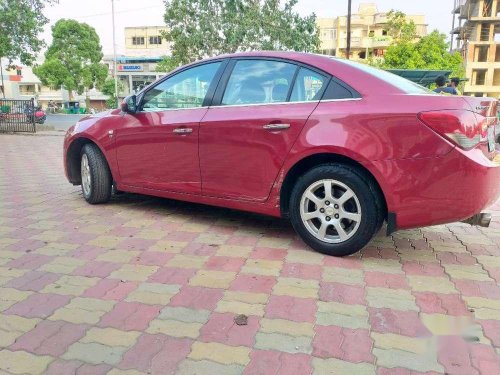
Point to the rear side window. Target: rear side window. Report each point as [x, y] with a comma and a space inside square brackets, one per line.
[336, 91]
[308, 86]
[401, 83]
[259, 82]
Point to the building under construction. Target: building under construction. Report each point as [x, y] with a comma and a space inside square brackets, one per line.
[476, 34]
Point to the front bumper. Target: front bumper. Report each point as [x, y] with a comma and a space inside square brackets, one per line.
[431, 191]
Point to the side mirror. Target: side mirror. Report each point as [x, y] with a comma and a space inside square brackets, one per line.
[129, 104]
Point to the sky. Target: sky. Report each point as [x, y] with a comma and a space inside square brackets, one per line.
[97, 13]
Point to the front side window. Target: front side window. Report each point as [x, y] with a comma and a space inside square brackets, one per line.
[308, 86]
[186, 89]
[259, 82]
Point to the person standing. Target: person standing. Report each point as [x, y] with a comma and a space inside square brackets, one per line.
[442, 88]
[454, 82]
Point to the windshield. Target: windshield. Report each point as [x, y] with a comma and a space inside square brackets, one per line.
[401, 83]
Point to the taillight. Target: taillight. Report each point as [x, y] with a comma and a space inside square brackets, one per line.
[464, 128]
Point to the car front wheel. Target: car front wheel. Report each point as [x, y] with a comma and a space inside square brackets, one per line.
[95, 174]
[335, 209]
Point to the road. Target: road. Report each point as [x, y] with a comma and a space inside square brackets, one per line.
[62, 122]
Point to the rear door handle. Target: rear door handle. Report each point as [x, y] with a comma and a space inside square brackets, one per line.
[274, 127]
[182, 131]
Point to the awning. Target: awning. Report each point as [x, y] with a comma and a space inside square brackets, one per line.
[422, 77]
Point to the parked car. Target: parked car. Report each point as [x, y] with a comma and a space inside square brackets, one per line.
[337, 147]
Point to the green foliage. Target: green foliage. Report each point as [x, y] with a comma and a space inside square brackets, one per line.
[168, 64]
[108, 88]
[408, 51]
[399, 28]
[204, 28]
[73, 60]
[430, 52]
[20, 23]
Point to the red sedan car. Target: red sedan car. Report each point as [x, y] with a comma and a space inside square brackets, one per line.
[336, 146]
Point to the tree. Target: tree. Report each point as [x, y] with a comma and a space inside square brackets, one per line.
[166, 65]
[408, 51]
[20, 23]
[73, 60]
[399, 28]
[108, 88]
[204, 28]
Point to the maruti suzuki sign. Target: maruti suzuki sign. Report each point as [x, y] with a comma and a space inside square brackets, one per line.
[130, 68]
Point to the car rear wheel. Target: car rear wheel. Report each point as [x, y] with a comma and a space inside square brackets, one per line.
[96, 177]
[335, 209]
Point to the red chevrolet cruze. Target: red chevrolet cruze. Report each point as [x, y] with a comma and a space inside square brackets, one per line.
[336, 146]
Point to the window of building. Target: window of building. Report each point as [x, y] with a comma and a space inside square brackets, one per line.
[26, 89]
[155, 40]
[371, 34]
[19, 72]
[138, 40]
[384, 32]
[481, 53]
[496, 36]
[496, 77]
[497, 53]
[485, 32]
[479, 77]
[487, 8]
[498, 8]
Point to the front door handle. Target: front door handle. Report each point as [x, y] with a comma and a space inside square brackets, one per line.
[182, 131]
[274, 127]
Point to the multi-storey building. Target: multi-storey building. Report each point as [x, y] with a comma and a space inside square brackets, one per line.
[146, 41]
[477, 35]
[368, 33]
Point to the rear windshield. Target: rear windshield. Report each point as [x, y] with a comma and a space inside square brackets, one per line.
[401, 83]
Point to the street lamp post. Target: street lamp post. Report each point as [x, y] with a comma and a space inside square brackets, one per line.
[115, 76]
[348, 47]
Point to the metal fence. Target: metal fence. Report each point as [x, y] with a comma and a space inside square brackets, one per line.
[17, 115]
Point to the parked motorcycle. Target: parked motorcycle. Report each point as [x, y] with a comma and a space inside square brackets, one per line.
[37, 115]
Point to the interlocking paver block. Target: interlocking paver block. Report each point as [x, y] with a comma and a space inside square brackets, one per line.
[153, 293]
[343, 275]
[275, 362]
[392, 358]
[133, 272]
[220, 353]
[184, 314]
[21, 362]
[95, 353]
[12, 327]
[83, 310]
[38, 305]
[348, 316]
[111, 337]
[397, 299]
[335, 366]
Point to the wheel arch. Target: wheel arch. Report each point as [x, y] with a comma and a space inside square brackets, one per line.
[73, 158]
[307, 163]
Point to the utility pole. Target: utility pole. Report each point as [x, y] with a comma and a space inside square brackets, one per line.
[348, 48]
[1, 75]
[115, 77]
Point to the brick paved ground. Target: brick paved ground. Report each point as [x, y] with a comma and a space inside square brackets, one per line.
[144, 285]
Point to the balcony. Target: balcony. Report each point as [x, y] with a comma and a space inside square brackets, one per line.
[380, 18]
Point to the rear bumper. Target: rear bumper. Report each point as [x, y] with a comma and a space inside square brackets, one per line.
[440, 190]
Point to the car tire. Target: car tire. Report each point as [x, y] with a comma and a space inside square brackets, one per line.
[340, 222]
[95, 174]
